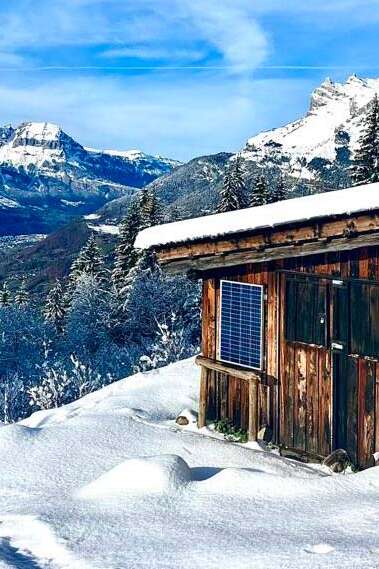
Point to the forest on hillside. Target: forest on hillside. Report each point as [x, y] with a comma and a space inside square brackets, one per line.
[102, 323]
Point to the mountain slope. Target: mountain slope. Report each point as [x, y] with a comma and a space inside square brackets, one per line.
[325, 138]
[190, 189]
[46, 177]
[312, 154]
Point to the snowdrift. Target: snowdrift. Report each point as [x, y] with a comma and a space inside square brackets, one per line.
[112, 477]
[156, 474]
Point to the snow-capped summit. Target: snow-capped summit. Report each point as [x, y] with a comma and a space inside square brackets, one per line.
[334, 118]
[43, 168]
[40, 144]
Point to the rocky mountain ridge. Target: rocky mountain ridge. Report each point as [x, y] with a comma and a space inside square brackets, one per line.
[46, 177]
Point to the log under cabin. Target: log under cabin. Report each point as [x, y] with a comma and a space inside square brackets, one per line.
[290, 317]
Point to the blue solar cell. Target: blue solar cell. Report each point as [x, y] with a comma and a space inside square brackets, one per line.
[241, 324]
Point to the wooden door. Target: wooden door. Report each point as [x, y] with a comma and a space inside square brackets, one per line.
[329, 371]
[305, 364]
[355, 348]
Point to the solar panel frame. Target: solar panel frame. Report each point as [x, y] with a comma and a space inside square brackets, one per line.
[256, 339]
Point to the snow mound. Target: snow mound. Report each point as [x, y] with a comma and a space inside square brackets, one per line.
[260, 481]
[320, 548]
[148, 475]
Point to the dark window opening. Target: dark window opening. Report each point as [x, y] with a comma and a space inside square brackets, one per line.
[364, 319]
[305, 310]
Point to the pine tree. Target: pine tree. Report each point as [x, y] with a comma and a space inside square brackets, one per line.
[88, 262]
[5, 295]
[126, 255]
[365, 168]
[150, 208]
[232, 193]
[145, 266]
[56, 308]
[22, 295]
[261, 194]
[279, 193]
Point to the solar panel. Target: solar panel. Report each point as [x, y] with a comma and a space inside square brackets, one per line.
[241, 324]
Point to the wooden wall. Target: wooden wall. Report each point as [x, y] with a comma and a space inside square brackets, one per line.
[295, 394]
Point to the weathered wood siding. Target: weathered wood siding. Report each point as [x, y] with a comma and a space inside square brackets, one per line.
[296, 391]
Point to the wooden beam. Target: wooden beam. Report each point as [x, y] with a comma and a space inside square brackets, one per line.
[229, 369]
[293, 233]
[206, 263]
[201, 420]
[253, 411]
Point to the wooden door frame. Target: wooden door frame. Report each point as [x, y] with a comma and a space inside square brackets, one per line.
[281, 280]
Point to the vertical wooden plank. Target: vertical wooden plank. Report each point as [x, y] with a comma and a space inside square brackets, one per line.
[201, 421]
[360, 318]
[237, 403]
[209, 318]
[354, 263]
[322, 266]
[211, 396]
[244, 405]
[366, 412]
[334, 264]
[372, 262]
[374, 320]
[263, 402]
[253, 411]
[351, 390]
[345, 264]
[272, 312]
[282, 388]
[377, 409]
[312, 401]
[325, 384]
[223, 389]
[363, 262]
[287, 394]
[300, 399]
[231, 397]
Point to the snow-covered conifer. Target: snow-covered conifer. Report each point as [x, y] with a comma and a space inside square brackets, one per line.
[260, 194]
[232, 193]
[22, 295]
[145, 266]
[88, 262]
[150, 208]
[125, 255]
[56, 307]
[365, 168]
[5, 295]
[278, 193]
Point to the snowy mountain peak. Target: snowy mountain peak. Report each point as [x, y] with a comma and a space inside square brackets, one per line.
[43, 168]
[355, 80]
[34, 143]
[334, 119]
[39, 131]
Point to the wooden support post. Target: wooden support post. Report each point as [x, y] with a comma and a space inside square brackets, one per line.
[253, 410]
[201, 421]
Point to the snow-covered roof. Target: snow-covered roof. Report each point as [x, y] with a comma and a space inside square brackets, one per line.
[339, 202]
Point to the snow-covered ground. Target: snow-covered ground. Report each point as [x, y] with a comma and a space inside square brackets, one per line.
[111, 481]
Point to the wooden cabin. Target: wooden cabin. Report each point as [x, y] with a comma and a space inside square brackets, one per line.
[290, 317]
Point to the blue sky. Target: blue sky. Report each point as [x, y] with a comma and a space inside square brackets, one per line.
[177, 77]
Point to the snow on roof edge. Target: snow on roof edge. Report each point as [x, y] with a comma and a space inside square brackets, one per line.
[337, 202]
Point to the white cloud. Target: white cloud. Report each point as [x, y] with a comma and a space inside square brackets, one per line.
[231, 28]
[144, 29]
[181, 118]
[155, 53]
